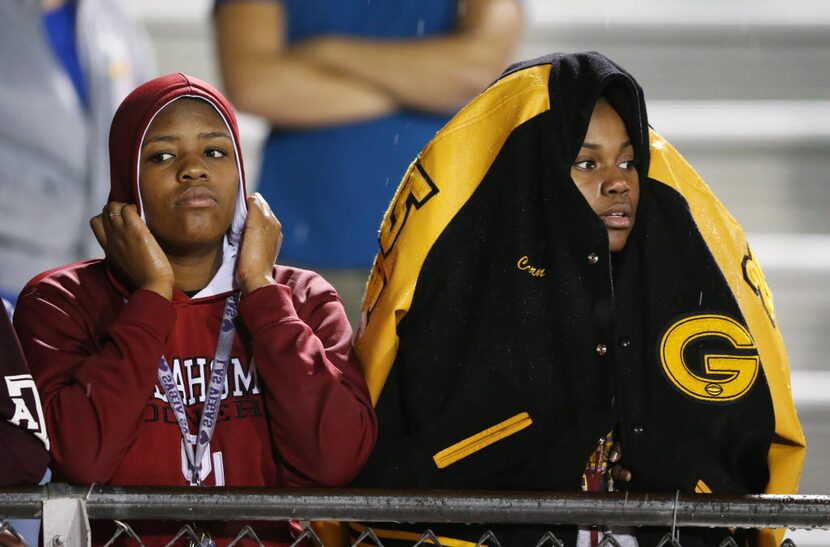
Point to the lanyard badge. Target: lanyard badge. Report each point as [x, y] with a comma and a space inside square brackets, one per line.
[195, 447]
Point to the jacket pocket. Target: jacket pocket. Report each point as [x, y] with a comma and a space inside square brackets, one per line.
[483, 439]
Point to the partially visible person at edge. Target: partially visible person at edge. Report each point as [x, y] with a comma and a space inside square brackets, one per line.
[570, 308]
[65, 65]
[24, 443]
[362, 86]
[127, 352]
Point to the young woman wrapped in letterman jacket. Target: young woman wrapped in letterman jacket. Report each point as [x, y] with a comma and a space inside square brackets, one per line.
[561, 304]
[127, 351]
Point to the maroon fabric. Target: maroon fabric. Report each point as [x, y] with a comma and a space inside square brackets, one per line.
[23, 456]
[309, 422]
[134, 116]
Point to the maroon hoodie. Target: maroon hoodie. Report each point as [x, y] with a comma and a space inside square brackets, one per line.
[295, 410]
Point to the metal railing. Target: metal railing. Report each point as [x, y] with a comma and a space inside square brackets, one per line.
[66, 510]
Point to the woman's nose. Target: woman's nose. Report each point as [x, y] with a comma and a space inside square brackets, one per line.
[192, 168]
[614, 182]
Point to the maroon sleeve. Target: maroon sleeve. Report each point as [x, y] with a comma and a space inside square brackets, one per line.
[322, 420]
[23, 458]
[23, 440]
[94, 391]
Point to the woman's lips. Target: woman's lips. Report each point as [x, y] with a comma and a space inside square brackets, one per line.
[617, 217]
[195, 197]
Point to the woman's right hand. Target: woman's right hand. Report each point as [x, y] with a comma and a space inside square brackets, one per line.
[132, 249]
[618, 472]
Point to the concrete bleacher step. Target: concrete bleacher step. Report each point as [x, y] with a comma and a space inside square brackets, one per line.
[689, 50]
[766, 160]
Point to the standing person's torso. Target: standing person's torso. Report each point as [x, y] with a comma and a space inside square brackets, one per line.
[331, 185]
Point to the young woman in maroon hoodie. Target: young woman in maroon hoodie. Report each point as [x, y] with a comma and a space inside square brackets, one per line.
[186, 357]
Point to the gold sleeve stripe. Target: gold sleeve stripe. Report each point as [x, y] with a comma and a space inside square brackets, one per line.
[456, 160]
[702, 488]
[470, 445]
[408, 536]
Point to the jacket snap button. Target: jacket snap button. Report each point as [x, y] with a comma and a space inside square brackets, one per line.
[638, 429]
[602, 349]
[593, 258]
[625, 342]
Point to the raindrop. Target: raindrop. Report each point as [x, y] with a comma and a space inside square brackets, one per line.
[396, 139]
[88, 389]
[421, 25]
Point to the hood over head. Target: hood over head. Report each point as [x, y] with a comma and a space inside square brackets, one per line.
[577, 82]
[129, 126]
[573, 83]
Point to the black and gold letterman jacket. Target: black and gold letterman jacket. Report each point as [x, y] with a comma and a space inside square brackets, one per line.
[501, 339]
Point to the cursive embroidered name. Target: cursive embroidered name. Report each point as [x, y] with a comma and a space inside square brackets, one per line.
[524, 265]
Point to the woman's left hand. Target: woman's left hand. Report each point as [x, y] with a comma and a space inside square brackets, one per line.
[261, 241]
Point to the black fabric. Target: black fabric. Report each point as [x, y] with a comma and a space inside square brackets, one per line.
[484, 341]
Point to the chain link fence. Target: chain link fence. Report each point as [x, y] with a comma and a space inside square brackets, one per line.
[66, 512]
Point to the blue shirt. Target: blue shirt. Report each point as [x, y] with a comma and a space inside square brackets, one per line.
[330, 186]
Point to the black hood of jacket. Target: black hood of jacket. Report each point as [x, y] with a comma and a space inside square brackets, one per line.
[576, 83]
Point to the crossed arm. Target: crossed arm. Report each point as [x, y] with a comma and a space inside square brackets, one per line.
[337, 79]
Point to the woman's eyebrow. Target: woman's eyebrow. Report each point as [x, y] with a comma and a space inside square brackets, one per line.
[173, 138]
[214, 135]
[595, 146]
[161, 138]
